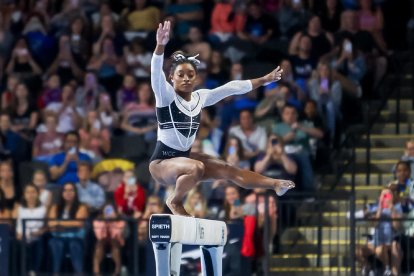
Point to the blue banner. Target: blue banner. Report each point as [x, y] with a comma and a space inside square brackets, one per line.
[4, 249]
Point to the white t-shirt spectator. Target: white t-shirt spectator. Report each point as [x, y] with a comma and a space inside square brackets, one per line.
[65, 123]
[30, 226]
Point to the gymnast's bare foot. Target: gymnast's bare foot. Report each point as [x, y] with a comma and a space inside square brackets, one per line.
[282, 186]
[177, 208]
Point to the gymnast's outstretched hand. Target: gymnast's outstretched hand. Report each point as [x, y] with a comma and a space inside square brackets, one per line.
[163, 33]
[273, 76]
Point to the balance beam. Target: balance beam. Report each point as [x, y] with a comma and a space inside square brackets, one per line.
[169, 232]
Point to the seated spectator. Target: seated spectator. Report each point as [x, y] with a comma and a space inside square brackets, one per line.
[90, 194]
[217, 74]
[187, 13]
[138, 59]
[106, 29]
[64, 64]
[130, 196]
[154, 206]
[275, 163]
[69, 115]
[104, 9]
[31, 208]
[409, 155]
[197, 45]
[404, 185]
[108, 65]
[94, 138]
[110, 234]
[63, 166]
[195, 204]
[52, 92]
[303, 63]
[106, 113]
[127, 93]
[209, 135]
[78, 40]
[7, 186]
[327, 93]
[295, 136]
[21, 62]
[49, 142]
[330, 14]
[86, 95]
[11, 142]
[23, 113]
[8, 94]
[292, 17]
[232, 207]
[234, 153]
[138, 118]
[371, 19]
[141, 16]
[39, 179]
[66, 224]
[253, 137]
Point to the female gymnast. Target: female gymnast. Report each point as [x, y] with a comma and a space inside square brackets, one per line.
[178, 114]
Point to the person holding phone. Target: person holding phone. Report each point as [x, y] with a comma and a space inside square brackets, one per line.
[327, 92]
[178, 114]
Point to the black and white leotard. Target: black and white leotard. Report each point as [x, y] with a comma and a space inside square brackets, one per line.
[178, 119]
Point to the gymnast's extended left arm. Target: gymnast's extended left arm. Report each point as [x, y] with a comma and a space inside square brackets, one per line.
[239, 87]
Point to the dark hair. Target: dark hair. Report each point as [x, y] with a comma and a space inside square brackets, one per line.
[61, 203]
[289, 106]
[72, 132]
[2, 201]
[403, 163]
[85, 164]
[24, 201]
[240, 150]
[177, 59]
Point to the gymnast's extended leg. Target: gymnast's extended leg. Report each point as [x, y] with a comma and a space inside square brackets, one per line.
[218, 169]
[182, 172]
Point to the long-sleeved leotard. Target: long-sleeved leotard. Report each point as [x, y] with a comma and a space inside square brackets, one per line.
[178, 119]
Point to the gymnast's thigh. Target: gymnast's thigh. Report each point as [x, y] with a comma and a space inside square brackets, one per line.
[166, 171]
[214, 168]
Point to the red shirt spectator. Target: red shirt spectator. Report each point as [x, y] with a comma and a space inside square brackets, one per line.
[130, 196]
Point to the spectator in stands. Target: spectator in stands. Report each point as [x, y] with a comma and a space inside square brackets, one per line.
[90, 194]
[232, 208]
[127, 93]
[302, 62]
[138, 59]
[227, 19]
[330, 14]
[94, 138]
[404, 185]
[86, 95]
[104, 9]
[8, 94]
[188, 13]
[7, 186]
[67, 235]
[217, 74]
[52, 92]
[371, 19]
[409, 155]
[108, 234]
[311, 116]
[69, 115]
[78, 41]
[292, 17]
[195, 204]
[197, 45]
[106, 29]
[23, 113]
[64, 64]
[106, 113]
[139, 118]
[39, 179]
[11, 142]
[234, 153]
[389, 207]
[327, 92]
[275, 163]
[253, 137]
[321, 41]
[154, 206]
[130, 196]
[108, 65]
[209, 137]
[31, 208]
[21, 62]
[142, 17]
[5, 213]
[49, 142]
[63, 167]
[295, 136]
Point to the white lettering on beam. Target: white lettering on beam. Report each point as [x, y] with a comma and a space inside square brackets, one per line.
[160, 226]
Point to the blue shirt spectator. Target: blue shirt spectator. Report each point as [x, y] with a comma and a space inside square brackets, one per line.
[90, 193]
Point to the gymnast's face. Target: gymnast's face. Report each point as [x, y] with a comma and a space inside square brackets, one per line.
[183, 78]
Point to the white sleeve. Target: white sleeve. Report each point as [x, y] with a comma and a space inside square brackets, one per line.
[164, 92]
[215, 95]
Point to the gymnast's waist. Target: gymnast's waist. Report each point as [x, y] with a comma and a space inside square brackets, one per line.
[163, 151]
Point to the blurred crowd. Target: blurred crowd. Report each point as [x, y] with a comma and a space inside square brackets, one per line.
[77, 121]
